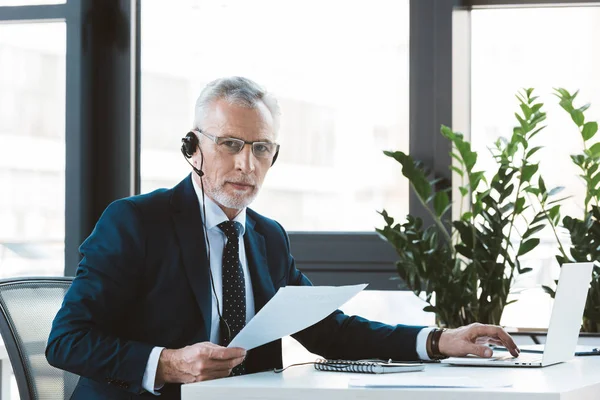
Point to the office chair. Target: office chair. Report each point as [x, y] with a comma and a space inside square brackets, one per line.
[27, 308]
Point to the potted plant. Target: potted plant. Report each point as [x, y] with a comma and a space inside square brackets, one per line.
[465, 267]
[585, 232]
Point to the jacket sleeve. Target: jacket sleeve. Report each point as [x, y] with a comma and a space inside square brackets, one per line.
[83, 339]
[340, 336]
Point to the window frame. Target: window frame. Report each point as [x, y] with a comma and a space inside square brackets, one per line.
[103, 115]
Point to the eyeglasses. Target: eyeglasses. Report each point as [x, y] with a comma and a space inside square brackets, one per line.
[228, 145]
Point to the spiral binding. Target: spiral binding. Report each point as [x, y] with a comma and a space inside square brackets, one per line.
[346, 366]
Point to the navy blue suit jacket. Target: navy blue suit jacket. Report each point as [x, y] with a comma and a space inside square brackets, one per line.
[143, 281]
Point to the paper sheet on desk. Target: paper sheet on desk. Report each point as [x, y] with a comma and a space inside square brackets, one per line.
[425, 382]
[292, 309]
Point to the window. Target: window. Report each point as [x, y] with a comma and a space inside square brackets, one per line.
[340, 72]
[542, 48]
[32, 148]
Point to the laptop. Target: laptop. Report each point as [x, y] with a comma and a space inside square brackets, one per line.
[563, 332]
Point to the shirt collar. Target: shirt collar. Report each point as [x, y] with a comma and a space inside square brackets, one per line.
[214, 214]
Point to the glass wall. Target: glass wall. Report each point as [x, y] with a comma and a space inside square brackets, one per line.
[340, 71]
[540, 48]
[32, 148]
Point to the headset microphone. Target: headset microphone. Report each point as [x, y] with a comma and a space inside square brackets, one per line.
[188, 148]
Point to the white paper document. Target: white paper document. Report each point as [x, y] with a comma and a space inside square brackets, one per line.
[424, 381]
[292, 309]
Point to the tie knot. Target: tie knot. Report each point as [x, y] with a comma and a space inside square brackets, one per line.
[231, 229]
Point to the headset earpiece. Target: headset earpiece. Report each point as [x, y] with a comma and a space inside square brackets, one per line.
[190, 144]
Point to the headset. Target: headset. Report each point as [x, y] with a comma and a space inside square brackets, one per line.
[188, 148]
[189, 145]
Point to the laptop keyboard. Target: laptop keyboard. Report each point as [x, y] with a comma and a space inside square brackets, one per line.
[527, 358]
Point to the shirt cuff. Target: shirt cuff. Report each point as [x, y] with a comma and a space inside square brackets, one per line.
[422, 343]
[149, 381]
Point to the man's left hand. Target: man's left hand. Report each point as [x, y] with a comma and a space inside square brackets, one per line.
[473, 339]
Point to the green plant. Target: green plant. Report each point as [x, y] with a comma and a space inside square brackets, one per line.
[585, 232]
[470, 268]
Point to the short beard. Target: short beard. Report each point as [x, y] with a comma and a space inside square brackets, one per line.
[237, 202]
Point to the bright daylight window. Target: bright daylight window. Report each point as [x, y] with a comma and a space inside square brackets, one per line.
[340, 72]
[541, 49]
[32, 122]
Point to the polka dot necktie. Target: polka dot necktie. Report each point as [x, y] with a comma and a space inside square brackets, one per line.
[234, 288]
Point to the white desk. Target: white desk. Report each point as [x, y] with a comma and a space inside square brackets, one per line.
[578, 379]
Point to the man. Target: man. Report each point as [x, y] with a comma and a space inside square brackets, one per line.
[158, 294]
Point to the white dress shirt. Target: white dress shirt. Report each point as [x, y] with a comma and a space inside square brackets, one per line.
[217, 240]
[214, 216]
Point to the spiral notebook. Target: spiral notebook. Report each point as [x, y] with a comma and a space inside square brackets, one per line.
[367, 366]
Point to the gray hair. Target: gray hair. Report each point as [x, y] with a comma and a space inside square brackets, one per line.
[238, 91]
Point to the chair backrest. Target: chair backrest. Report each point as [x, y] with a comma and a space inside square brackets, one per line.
[27, 308]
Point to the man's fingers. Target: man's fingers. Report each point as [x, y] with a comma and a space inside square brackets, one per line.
[480, 350]
[225, 353]
[508, 342]
[500, 334]
[221, 365]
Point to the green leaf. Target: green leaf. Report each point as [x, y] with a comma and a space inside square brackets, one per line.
[539, 118]
[430, 309]
[528, 245]
[554, 214]
[595, 180]
[533, 190]
[549, 290]
[567, 105]
[533, 230]
[529, 91]
[589, 130]
[578, 159]
[464, 250]
[559, 200]
[542, 185]
[457, 158]
[414, 173]
[463, 190]
[467, 216]
[526, 111]
[449, 133]
[528, 171]
[595, 150]
[457, 170]
[470, 158]
[577, 117]
[563, 92]
[519, 205]
[533, 151]
[584, 107]
[536, 107]
[440, 203]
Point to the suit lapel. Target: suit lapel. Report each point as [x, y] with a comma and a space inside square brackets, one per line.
[256, 252]
[190, 233]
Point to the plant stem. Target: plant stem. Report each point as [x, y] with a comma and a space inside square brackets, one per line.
[514, 214]
[560, 246]
[438, 222]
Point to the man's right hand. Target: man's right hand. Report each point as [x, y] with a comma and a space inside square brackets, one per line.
[198, 362]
